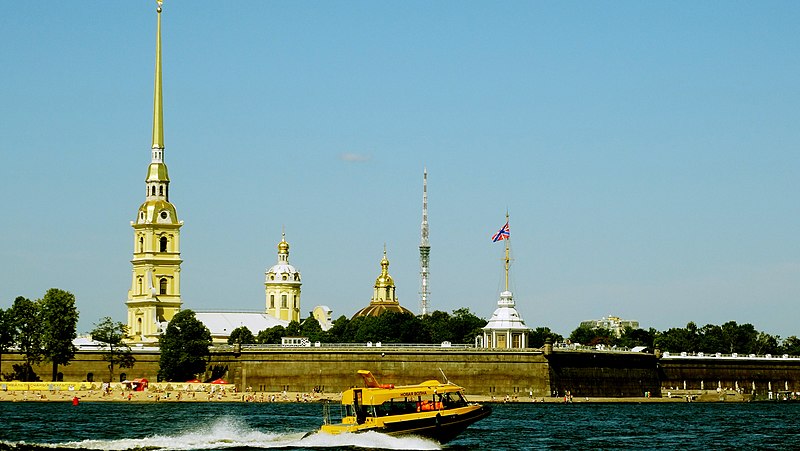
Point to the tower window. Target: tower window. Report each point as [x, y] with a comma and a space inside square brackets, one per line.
[141, 244]
[154, 190]
[272, 301]
[163, 243]
[285, 277]
[283, 300]
[139, 285]
[162, 286]
[161, 190]
[296, 304]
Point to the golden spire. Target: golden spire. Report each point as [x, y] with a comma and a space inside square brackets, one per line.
[158, 109]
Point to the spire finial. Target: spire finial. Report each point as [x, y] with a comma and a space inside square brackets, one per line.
[158, 109]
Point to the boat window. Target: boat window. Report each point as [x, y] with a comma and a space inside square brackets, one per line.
[396, 406]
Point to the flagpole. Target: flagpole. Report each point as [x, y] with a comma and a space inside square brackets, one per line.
[507, 253]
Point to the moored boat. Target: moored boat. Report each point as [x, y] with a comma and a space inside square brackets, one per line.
[432, 409]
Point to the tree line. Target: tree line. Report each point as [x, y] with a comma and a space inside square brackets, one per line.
[45, 329]
[728, 338]
[460, 327]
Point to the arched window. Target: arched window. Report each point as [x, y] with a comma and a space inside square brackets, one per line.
[285, 277]
[139, 285]
[163, 242]
[161, 190]
[162, 286]
[141, 244]
[272, 301]
[283, 300]
[154, 190]
[89, 377]
[139, 326]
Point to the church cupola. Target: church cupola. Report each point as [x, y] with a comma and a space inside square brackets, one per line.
[282, 286]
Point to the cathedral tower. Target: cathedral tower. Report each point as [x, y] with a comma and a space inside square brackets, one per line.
[282, 286]
[155, 295]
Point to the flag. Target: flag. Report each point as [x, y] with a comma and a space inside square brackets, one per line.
[503, 234]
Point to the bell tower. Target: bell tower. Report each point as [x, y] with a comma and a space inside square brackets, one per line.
[155, 294]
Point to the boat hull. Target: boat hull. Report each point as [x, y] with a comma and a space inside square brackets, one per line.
[442, 427]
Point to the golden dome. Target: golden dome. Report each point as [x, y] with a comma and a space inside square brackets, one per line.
[283, 247]
[384, 280]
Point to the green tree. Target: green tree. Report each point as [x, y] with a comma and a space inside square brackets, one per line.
[26, 322]
[59, 319]
[437, 325]
[465, 326]
[311, 330]
[679, 339]
[631, 338]
[241, 335]
[293, 329]
[271, 336]
[336, 334]
[791, 346]
[591, 336]
[538, 336]
[8, 335]
[184, 348]
[115, 352]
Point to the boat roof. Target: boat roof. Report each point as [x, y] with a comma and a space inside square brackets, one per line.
[375, 393]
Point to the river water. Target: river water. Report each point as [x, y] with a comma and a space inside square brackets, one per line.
[242, 426]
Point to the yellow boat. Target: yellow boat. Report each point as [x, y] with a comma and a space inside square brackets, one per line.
[430, 409]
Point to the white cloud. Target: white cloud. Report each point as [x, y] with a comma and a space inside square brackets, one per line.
[354, 157]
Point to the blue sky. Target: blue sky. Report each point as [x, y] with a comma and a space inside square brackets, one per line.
[646, 151]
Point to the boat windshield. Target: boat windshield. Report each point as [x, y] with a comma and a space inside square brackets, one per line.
[453, 400]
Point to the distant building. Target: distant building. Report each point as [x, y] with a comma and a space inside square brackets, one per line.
[282, 286]
[384, 298]
[322, 313]
[221, 324]
[613, 323]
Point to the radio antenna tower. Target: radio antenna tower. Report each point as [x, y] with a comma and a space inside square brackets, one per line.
[424, 248]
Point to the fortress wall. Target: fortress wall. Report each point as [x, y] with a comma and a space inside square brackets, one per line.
[758, 375]
[584, 373]
[604, 374]
[87, 362]
[481, 373]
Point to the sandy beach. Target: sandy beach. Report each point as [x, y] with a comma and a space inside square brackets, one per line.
[230, 395]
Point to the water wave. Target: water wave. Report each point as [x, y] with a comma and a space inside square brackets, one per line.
[229, 433]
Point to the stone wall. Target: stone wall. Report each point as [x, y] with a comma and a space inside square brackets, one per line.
[748, 375]
[484, 373]
[89, 366]
[604, 374]
[334, 370]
